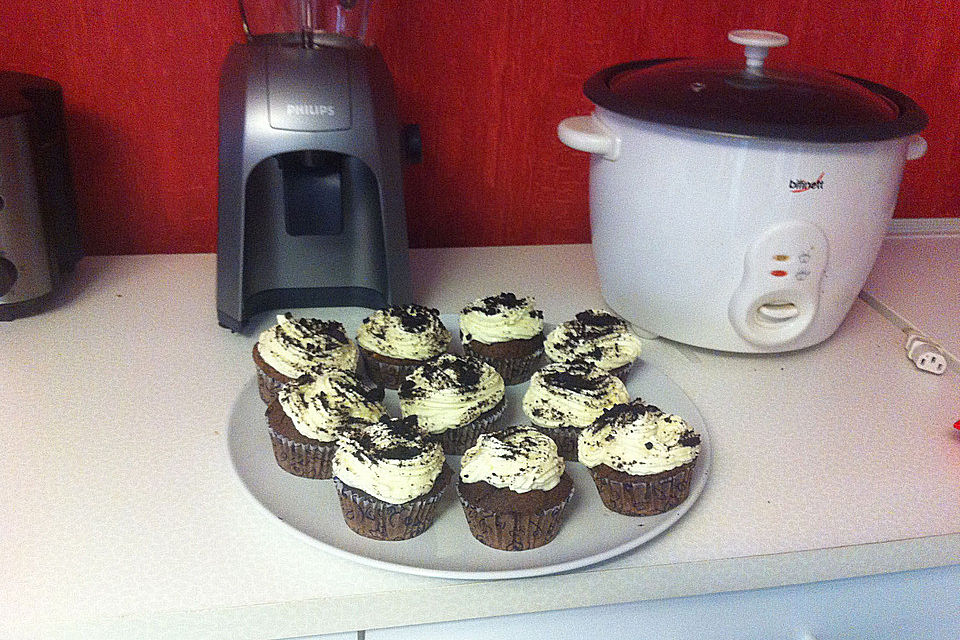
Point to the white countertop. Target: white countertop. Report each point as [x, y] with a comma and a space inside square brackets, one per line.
[122, 517]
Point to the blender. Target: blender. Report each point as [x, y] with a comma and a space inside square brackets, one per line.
[310, 196]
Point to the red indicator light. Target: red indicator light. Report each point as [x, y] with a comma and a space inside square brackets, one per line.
[779, 273]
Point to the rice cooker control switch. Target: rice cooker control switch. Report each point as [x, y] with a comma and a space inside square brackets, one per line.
[778, 294]
[777, 312]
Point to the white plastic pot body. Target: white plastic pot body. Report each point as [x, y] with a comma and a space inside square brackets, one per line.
[734, 243]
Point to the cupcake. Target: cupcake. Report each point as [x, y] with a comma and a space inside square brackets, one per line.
[298, 346]
[390, 478]
[564, 398]
[513, 489]
[455, 398]
[641, 459]
[596, 337]
[307, 415]
[394, 340]
[506, 332]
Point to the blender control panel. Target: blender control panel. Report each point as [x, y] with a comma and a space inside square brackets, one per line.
[308, 89]
[778, 295]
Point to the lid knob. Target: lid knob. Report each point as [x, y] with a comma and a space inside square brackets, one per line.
[757, 44]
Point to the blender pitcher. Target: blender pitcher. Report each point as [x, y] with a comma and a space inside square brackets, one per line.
[313, 21]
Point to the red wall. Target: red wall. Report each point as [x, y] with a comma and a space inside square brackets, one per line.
[487, 80]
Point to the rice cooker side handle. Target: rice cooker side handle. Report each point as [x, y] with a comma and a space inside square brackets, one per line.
[587, 133]
[916, 148]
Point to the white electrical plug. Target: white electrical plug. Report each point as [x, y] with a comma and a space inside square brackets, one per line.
[927, 355]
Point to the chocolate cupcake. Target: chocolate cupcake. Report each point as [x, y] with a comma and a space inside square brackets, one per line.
[513, 489]
[394, 340]
[641, 459]
[306, 416]
[298, 346]
[390, 478]
[564, 398]
[506, 332]
[597, 337]
[455, 399]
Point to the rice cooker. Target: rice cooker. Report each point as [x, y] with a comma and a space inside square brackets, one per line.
[735, 206]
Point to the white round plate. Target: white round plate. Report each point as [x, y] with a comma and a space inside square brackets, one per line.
[590, 532]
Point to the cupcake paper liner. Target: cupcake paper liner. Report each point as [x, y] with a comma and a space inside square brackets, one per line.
[268, 382]
[267, 386]
[622, 372]
[566, 439]
[648, 496]
[512, 530]
[381, 520]
[305, 460]
[385, 374]
[512, 370]
[456, 441]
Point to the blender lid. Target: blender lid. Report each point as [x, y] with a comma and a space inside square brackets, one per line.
[750, 99]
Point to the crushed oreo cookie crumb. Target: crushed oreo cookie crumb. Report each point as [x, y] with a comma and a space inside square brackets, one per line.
[594, 318]
[449, 371]
[493, 305]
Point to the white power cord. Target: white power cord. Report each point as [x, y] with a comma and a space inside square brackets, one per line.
[926, 354]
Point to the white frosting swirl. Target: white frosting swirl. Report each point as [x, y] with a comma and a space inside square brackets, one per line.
[390, 459]
[325, 403]
[571, 395]
[500, 318]
[638, 439]
[518, 458]
[410, 332]
[295, 346]
[596, 337]
[450, 391]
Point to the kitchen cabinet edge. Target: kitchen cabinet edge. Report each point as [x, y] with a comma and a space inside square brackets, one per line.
[451, 601]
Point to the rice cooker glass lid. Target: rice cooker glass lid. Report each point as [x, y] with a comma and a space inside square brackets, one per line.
[740, 99]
